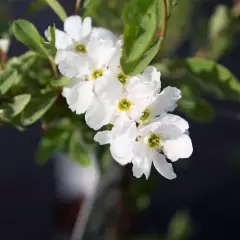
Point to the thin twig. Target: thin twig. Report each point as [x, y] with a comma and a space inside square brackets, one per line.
[54, 69]
[164, 22]
[78, 5]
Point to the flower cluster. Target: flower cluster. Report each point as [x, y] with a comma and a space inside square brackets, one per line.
[143, 132]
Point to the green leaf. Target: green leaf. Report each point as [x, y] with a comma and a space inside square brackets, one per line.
[7, 78]
[141, 19]
[53, 140]
[77, 152]
[26, 33]
[62, 81]
[208, 77]
[136, 67]
[57, 8]
[87, 3]
[195, 107]
[17, 105]
[37, 107]
[214, 78]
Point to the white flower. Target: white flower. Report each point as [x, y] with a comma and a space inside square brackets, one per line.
[78, 95]
[164, 102]
[121, 139]
[118, 97]
[167, 136]
[74, 37]
[149, 83]
[85, 70]
[96, 58]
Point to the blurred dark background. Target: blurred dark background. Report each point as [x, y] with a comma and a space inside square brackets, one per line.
[207, 185]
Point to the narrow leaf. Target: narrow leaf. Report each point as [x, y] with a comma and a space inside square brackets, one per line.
[26, 33]
[17, 105]
[62, 81]
[136, 67]
[7, 79]
[37, 107]
[214, 78]
[57, 8]
[141, 19]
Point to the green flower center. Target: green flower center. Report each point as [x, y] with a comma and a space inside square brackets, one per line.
[153, 141]
[81, 48]
[124, 104]
[97, 73]
[122, 78]
[145, 115]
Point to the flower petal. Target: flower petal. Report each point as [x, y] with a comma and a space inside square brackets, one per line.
[151, 77]
[103, 137]
[79, 96]
[137, 171]
[105, 34]
[152, 127]
[175, 120]
[60, 56]
[141, 161]
[166, 100]
[115, 61]
[180, 147]
[73, 27]
[122, 150]
[86, 27]
[108, 88]
[73, 65]
[162, 166]
[125, 126]
[100, 51]
[63, 41]
[98, 114]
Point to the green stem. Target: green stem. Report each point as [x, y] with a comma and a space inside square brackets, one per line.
[77, 7]
[164, 21]
[54, 69]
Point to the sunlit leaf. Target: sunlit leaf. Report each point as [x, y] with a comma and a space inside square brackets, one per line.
[26, 33]
[141, 19]
[135, 67]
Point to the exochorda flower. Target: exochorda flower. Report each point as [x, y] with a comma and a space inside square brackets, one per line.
[121, 139]
[143, 133]
[85, 68]
[74, 37]
[116, 98]
[168, 136]
[160, 104]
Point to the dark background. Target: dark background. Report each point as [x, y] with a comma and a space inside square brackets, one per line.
[208, 187]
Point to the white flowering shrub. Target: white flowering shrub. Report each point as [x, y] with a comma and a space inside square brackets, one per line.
[91, 87]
